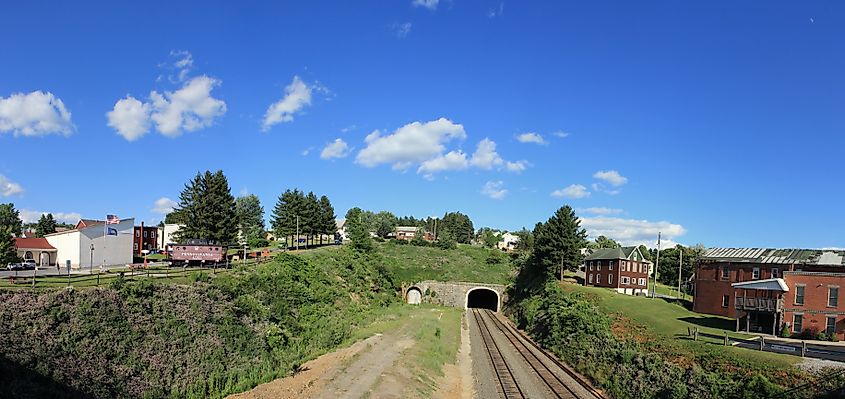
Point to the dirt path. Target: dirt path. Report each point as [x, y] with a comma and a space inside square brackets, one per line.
[457, 381]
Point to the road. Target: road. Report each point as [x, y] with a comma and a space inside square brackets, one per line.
[508, 365]
[53, 271]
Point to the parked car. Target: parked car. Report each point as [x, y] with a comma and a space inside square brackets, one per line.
[29, 264]
[14, 266]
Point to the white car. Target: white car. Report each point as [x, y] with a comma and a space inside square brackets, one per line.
[29, 264]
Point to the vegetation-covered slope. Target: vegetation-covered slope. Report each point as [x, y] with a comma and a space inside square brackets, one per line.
[216, 336]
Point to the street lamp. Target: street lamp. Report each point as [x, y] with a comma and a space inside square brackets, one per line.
[91, 265]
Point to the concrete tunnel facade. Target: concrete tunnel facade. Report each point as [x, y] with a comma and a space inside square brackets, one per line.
[456, 294]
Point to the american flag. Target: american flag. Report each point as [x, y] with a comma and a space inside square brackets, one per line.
[112, 219]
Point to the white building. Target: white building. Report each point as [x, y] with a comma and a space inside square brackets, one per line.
[89, 246]
[508, 242]
[165, 234]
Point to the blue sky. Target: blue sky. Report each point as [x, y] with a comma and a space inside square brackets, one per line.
[715, 122]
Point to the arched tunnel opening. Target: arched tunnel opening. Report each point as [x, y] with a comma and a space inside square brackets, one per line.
[414, 296]
[483, 298]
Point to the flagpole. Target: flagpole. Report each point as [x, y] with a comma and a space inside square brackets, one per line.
[656, 266]
[105, 226]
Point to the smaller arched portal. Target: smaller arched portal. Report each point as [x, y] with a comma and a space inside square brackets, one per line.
[484, 298]
[413, 296]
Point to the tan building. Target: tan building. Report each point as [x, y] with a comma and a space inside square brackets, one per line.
[37, 249]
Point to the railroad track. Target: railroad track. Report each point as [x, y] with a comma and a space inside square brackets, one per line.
[562, 388]
[507, 383]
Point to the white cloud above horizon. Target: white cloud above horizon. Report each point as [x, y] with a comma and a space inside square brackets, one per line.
[30, 216]
[401, 30]
[9, 188]
[187, 109]
[572, 191]
[429, 4]
[164, 205]
[633, 231]
[413, 143]
[36, 113]
[531, 137]
[297, 96]
[611, 176]
[495, 189]
[336, 149]
[601, 211]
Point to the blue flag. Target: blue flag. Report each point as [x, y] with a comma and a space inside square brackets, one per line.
[112, 232]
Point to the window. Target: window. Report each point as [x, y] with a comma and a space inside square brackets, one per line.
[830, 328]
[725, 300]
[136, 246]
[598, 278]
[797, 321]
[145, 234]
[775, 272]
[755, 273]
[725, 272]
[832, 296]
[610, 265]
[137, 233]
[598, 266]
[799, 294]
[642, 281]
[591, 266]
[624, 280]
[610, 279]
[590, 279]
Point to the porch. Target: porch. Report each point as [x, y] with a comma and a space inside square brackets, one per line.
[759, 305]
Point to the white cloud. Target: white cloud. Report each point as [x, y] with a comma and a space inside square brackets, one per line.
[573, 191]
[517, 166]
[164, 205]
[190, 108]
[633, 231]
[611, 176]
[297, 96]
[335, 149]
[530, 137]
[453, 160]
[401, 30]
[29, 216]
[9, 188]
[561, 134]
[602, 211]
[184, 62]
[494, 189]
[130, 117]
[413, 143]
[34, 114]
[496, 11]
[307, 151]
[485, 156]
[430, 4]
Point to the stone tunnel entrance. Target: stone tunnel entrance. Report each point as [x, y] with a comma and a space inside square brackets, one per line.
[414, 296]
[484, 298]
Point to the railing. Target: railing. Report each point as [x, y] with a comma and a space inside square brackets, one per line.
[759, 304]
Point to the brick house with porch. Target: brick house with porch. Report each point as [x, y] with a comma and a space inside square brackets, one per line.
[767, 289]
[623, 269]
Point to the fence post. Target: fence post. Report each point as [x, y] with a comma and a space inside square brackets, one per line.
[726, 338]
[803, 348]
[696, 334]
[762, 342]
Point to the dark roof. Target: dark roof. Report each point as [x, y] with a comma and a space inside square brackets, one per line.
[776, 256]
[607, 253]
[32, 243]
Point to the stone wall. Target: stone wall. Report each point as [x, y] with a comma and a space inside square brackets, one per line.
[453, 294]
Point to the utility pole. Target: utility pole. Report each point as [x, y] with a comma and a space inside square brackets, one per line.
[297, 232]
[561, 268]
[680, 262]
[656, 266]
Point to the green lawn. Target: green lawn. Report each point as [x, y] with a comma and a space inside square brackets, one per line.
[465, 263]
[666, 323]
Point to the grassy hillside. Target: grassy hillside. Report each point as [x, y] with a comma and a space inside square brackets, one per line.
[221, 334]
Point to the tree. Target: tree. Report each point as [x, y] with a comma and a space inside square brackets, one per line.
[250, 215]
[288, 207]
[207, 207]
[311, 220]
[489, 237]
[358, 231]
[459, 225]
[328, 225]
[177, 216]
[646, 253]
[46, 225]
[445, 241]
[526, 240]
[384, 223]
[603, 242]
[10, 218]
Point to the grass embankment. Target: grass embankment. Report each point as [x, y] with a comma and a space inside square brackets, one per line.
[470, 263]
[221, 334]
[665, 325]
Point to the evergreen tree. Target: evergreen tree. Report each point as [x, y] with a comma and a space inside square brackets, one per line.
[250, 215]
[458, 225]
[328, 224]
[311, 219]
[10, 218]
[207, 207]
[8, 252]
[46, 225]
[446, 241]
[603, 242]
[358, 231]
[289, 205]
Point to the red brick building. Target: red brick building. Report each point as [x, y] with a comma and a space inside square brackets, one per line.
[766, 289]
[623, 269]
[146, 237]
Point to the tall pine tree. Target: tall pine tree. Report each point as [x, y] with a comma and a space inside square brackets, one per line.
[288, 207]
[250, 215]
[328, 225]
[359, 232]
[10, 226]
[207, 208]
[46, 225]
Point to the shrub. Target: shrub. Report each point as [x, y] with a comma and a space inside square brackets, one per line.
[784, 331]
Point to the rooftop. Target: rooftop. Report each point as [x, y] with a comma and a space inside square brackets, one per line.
[32, 243]
[776, 256]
